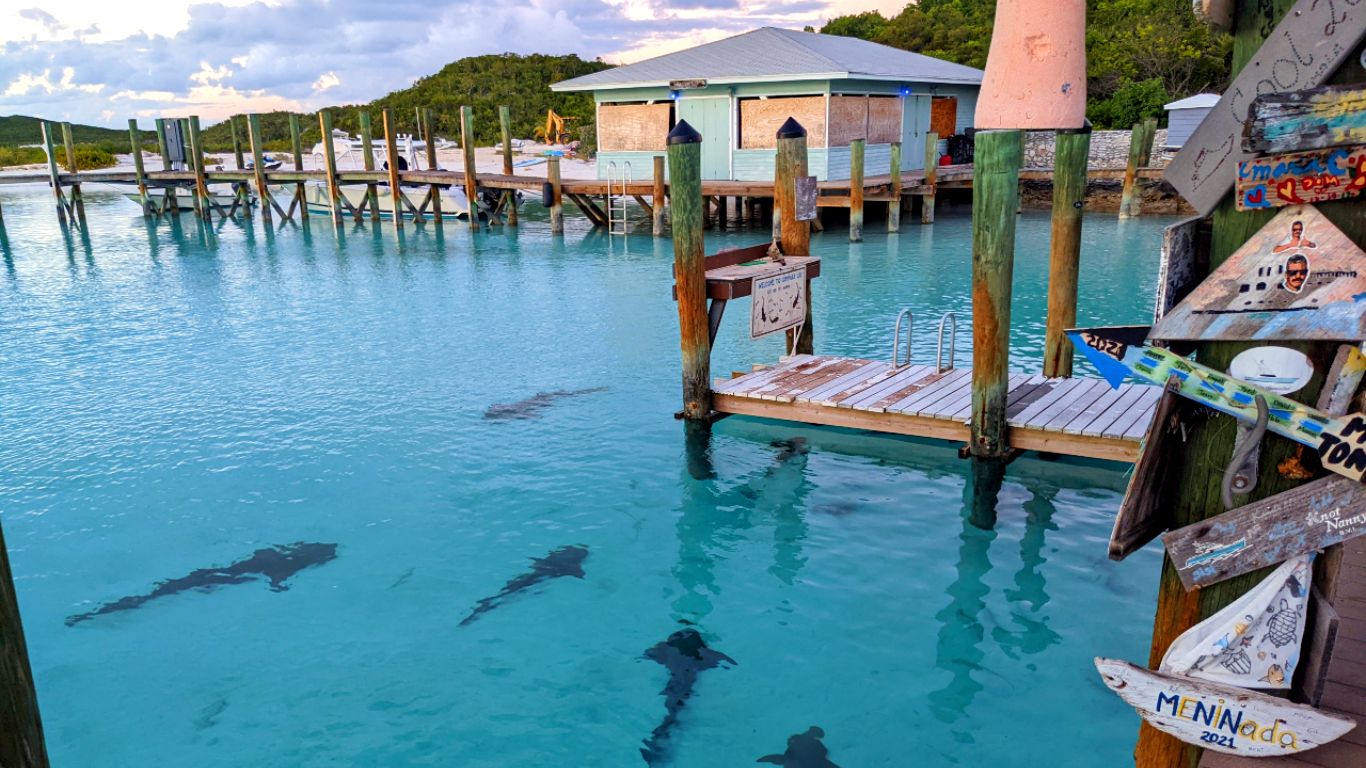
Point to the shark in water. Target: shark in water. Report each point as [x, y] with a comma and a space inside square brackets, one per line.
[531, 407]
[686, 656]
[274, 564]
[805, 750]
[565, 561]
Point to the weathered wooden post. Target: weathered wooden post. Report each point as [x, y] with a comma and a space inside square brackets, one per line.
[690, 271]
[1140, 148]
[168, 203]
[330, 166]
[239, 160]
[430, 138]
[53, 172]
[297, 145]
[552, 176]
[894, 207]
[76, 200]
[931, 177]
[21, 728]
[187, 149]
[510, 195]
[794, 236]
[139, 174]
[471, 178]
[367, 148]
[657, 196]
[201, 187]
[258, 166]
[1064, 250]
[391, 152]
[856, 148]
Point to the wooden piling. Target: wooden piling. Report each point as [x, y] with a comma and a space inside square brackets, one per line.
[856, 148]
[21, 727]
[471, 178]
[139, 174]
[238, 159]
[185, 148]
[168, 202]
[77, 201]
[552, 176]
[330, 165]
[201, 187]
[998, 155]
[505, 128]
[690, 271]
[931, 177]
[1140, 147]
[367, 148]
[657, 196]
[894, 207]
[1064, 249]
[794, 237]
[391, 152]
[258, 161]
[430, 139]
[297, 145]
[53, 172]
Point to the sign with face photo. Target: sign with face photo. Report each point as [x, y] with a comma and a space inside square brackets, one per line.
[1299, 278]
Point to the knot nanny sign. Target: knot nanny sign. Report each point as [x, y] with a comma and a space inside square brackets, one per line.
[779, 302]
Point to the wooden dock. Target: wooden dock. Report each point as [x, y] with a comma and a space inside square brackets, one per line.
[1074, 417]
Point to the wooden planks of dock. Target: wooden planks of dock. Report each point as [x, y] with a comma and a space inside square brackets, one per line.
[1074, 417]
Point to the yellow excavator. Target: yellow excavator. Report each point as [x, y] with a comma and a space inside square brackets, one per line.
[556, 128]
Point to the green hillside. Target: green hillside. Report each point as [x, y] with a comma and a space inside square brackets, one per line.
[18, 130]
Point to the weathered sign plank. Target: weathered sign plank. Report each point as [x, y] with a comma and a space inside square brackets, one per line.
[1223, 718]
[1143, 515]
[1316, 118]
[1182, 266]
[1313, 38]
[779, 302]
[1316, 176]
[1298, 278]
[1344, 376]
[1318, 647]
[1342, 447]
[1268, 531]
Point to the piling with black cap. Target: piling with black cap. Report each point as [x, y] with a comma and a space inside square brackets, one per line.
[794, 237]
[690, 271]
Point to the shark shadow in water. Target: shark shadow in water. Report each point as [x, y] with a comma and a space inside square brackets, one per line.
[805, 750]
[531, 407]
[275, 564]
[565, 561]
[686, 656]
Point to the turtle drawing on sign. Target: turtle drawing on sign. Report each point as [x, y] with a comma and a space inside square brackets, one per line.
[1281, 627]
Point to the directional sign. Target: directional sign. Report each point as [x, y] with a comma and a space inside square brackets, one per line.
[1316, 176]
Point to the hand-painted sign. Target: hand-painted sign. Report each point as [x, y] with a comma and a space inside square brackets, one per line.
[1181, 263]
[1317, 118]
[1268, 531]
[1315, 176]
[1298, 278]
[779, 302]
[1342, 448]
[1144, 513]
[1276, 369]
[1223, 718]
[1304, 49]
[807, 192]
[1253, 642]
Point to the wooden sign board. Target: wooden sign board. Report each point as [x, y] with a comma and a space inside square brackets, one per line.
[1317, 118]
[1306, 47]
[779, 302]
[1298, 278]
[686, 85]
[1181, 266]
[807, 192]
[1223, 718]
[1268, 531]
[1143, 514]
[1316, 176]
[1342, 447]
[1282, 370]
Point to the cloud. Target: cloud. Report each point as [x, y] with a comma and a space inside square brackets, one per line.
[325, 81]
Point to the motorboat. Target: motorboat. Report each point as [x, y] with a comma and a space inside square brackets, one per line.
[183, 200]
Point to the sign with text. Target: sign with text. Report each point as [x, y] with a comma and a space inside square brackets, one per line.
[779, 302]
[1313, 38]
[1342, 447]
[1301, 177]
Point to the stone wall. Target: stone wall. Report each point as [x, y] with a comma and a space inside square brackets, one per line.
[1109, 149]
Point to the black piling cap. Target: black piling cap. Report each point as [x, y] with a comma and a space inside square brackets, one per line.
[791, 129]
[684, 134]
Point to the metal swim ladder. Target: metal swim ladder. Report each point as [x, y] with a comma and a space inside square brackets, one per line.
[950, 318]
[617, 223]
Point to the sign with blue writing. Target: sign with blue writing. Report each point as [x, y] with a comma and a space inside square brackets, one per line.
[779, 302]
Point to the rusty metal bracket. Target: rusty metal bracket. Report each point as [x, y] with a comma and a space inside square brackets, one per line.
[1241, 475]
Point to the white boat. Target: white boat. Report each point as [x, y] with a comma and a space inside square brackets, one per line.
[453, 202]
[349, 150]
[184, 200]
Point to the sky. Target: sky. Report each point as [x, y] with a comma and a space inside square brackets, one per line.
[104, 61]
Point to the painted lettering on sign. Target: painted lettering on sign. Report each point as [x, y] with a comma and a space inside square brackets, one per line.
[779, 302]
[1302, 177]
[1342, 446]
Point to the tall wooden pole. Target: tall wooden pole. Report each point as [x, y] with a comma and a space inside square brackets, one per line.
[76, 200]
[297, 145]
[931, 177]
[657, 196]
[509, 196]
[471, 178]
[139, 173]
[187, 146]
[330, 165]
[790, 163]
[1064, 249]
[552, 177]
[1140, 147]
[430, 138]
[238, 158]
[21, 728]
[201, 187]
[367, 148]
[168, 203]
[690, 271]
[856, 148]
[894, 207]
[53, 172]
[258, 165]
[391, 152]
[996, 192]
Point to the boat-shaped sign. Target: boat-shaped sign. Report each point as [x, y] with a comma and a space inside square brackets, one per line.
[1220, 717]
[1298, 278]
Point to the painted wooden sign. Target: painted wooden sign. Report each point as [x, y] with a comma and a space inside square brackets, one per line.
[807, 192]
[1144, 514]
[1342, 448]
[1344, 376]
[1316, 176]
[1220, 717]
[1268, 531]
[1317, 118]
[1276, 369]
[1298, 278]
[779, 302]
[1304, 49]
[1181, 265]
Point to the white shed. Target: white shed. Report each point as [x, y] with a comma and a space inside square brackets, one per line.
[1183, 116]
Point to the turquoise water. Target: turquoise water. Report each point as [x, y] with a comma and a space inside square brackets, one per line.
[175, 399]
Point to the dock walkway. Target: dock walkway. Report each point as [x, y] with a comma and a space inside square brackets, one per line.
[1075, 417]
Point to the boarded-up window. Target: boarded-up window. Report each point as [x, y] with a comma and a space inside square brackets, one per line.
[761, 118]
[633, 127]
[944, 116]
[848, 119]
[884, 119]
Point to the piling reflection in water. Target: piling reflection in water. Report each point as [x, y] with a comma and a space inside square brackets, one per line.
[1031, 595]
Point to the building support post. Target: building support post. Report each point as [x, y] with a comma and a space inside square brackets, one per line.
[894, 206]
[552, 176]
[931, 177]
[790, 164]
[1064, 248]
[856, 148]
[690, 271]
[657, 196]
